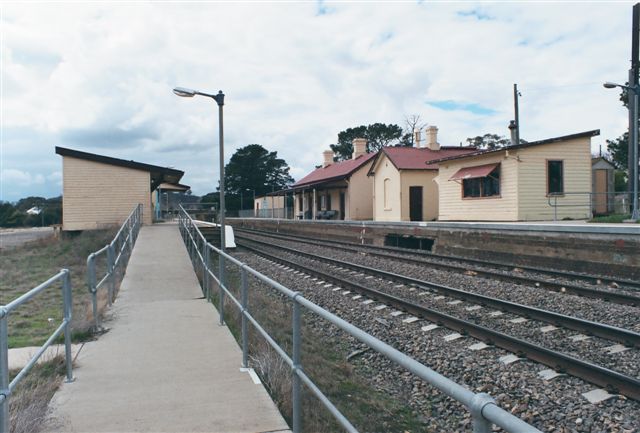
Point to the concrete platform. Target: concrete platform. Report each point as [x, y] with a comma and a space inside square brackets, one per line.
[165, 365]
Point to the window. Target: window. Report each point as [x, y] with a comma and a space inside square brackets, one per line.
[300, 202]
[386, 193]
[328, 201]
[486, 186]
[555, 177]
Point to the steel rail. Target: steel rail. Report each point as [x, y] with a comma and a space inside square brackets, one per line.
[598, 375]
[618, 298]
[624, 336]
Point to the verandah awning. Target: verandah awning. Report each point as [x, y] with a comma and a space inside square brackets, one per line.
[474, 172]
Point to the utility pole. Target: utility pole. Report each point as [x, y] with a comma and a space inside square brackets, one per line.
[515, 107]
[633, 114]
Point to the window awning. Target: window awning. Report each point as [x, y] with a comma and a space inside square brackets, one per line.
[474, 172]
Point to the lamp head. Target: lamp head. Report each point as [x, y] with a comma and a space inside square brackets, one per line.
[610, 85]
[185, 93]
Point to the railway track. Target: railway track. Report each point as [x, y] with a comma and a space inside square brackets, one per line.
[561, 287]
[613, 381]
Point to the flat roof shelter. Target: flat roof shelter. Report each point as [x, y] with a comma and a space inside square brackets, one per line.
[100, 191]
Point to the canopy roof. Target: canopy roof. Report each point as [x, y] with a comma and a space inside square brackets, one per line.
[474, 172]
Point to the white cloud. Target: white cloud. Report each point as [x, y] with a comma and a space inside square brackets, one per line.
[98, 77]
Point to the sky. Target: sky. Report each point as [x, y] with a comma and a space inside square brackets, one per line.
[97, 77]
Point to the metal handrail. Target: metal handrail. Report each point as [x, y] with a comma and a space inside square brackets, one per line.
[555, 200]
[6, 388]
[483, 408]
[118, 252]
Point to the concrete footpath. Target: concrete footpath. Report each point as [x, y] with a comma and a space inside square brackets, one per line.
[165, 365]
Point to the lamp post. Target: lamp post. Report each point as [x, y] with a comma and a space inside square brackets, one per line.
[633, 138]
[219, 98]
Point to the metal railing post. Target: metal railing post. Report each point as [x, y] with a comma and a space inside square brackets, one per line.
[130, 237]
[91, 283]
[245, 339]
[221, 280]
[206, 281]
[4, 372]
[296, 391]
[66, 295]
[111, 264]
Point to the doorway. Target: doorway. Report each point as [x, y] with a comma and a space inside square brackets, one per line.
[415, 203]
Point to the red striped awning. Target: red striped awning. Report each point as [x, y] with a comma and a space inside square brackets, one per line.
[474, 172]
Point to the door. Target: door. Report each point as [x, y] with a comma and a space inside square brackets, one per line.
[342, 206]
[600, 199]
[415, 203]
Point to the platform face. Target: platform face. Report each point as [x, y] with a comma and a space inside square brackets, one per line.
[165, 365]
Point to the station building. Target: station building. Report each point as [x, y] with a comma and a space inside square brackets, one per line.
[337, 190]
[541, 180]
[100, 191]
[403, 186]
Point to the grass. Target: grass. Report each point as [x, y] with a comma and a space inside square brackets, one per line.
[30, 399]
[324, 358]
[25, 267]
[617, 218]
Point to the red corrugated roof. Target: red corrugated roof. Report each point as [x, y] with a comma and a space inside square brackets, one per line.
[413, 158]
[474, 172]
[335, 171]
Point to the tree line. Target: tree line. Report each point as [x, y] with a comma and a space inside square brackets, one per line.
[45, 211]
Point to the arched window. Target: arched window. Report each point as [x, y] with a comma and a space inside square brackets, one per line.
[386, 191]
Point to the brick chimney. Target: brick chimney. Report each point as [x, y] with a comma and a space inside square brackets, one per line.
[417, 137]
[359, 147]
[327, 158]
[432, 138]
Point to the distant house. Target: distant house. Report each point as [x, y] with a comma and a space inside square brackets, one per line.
[100, 191]
[542, 180]
[403, 186]
[337, 190]
[269, 206]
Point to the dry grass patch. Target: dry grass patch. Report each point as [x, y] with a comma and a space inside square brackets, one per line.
[25, 267]
[30, 399]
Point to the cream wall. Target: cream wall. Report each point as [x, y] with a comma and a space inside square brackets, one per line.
[269, 202]
[96, 195]
[532, 181]
[423, 178]
[384, 169]
[452, 207]
[523, 185]
[359, 196]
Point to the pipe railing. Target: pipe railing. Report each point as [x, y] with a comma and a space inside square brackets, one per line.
[484, 411]
[6, 387]
[590, 202]
[117, 253]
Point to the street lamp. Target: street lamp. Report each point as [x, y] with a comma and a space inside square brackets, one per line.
[633, 139]
[219, 98]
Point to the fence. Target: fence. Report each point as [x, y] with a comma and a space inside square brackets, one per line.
[591, 202]
[483, 409]
[118, 253]
[5, 387]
